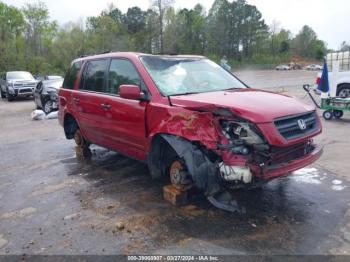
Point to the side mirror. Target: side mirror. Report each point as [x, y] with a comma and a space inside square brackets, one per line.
[132, 92]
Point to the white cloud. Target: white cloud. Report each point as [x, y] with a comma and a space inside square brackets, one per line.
[329, 18]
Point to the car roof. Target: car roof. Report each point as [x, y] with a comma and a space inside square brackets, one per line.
[17, 72]
[132, 55]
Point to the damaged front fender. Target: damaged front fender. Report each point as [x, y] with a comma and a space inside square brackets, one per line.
[202, 170]
[192, 125]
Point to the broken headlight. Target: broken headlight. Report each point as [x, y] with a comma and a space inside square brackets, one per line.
[241, 136]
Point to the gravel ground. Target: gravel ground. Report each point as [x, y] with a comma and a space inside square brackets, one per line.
[52, 204]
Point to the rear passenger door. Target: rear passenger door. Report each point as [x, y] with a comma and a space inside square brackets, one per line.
[89, 99]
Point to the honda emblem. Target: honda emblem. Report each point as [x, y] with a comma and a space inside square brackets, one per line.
[301, 124]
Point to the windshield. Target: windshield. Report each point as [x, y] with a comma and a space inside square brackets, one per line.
[178, 76]
[19, 75]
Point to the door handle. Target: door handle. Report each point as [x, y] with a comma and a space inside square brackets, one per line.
[106, 106]
[76, 100]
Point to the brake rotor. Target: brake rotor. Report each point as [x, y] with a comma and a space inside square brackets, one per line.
[179, 176]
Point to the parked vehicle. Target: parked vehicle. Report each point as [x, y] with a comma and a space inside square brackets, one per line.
[17, 84]
[194, 123]
[339, 81]
[314, 67]
[48, 77]
[282, 67]
[46, 95]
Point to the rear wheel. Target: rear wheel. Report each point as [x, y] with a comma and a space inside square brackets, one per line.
[328, 115]
[338, 113]
[82, 149]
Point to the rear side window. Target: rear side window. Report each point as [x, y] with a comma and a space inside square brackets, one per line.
[94, 75]
[72, 75]
[121, 72]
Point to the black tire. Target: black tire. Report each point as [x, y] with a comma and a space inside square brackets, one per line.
[9, 96]
[47, 107]
[328, 115]
[3, 95]
[338, 114]
[343, 91]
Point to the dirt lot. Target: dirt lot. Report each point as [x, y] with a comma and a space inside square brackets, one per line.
[50, 203]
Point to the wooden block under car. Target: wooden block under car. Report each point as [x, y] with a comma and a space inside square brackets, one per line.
[174, 195]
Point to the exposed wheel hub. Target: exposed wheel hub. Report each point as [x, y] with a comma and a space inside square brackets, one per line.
[179, 177]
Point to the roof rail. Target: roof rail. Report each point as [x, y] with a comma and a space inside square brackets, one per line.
[168, 53]
[105, 52]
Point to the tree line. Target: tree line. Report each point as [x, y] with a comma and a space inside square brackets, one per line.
[30, 40]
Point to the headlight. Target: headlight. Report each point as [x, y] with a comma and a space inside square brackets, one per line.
[10, 86]
[241, 132]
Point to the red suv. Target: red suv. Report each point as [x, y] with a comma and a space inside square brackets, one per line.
[193, 122]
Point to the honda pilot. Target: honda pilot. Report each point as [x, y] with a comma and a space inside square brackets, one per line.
[194, 123]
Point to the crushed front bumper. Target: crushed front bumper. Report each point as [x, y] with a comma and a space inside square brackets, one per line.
[274, 171]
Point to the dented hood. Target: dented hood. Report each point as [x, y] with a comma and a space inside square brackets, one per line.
[254, 105]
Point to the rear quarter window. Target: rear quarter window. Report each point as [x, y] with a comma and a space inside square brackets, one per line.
[71, 76]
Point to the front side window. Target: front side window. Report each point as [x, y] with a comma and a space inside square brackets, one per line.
[121, 72]
[94, 75]
[183, 75]
[71, 76]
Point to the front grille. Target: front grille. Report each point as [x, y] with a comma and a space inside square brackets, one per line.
[27, 90]
[289, 127]
[24, 84]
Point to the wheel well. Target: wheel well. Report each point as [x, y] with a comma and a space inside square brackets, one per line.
[159, 156]
[342, 86]
[70, 126]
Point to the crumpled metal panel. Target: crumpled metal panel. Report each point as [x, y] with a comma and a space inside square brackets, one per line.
[192, 125]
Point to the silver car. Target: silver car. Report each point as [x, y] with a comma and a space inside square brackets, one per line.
[17, 84]
[282, 67]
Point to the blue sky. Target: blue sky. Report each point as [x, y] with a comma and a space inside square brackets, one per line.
[330, 19]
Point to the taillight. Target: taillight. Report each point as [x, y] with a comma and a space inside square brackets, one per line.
[63, 101]
[318, 80]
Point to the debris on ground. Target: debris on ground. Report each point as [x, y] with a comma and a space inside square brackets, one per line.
[52, 115]
[120, 225]
[3, 241]
[19, 213]
[72, 216]
[38, 115]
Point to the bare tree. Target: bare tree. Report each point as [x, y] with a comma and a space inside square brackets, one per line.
[275, 28]
[161, 6]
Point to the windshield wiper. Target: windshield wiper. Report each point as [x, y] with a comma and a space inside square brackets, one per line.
[232, 88]
[183, 94]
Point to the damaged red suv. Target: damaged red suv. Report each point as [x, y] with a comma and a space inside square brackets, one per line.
[193, 122]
